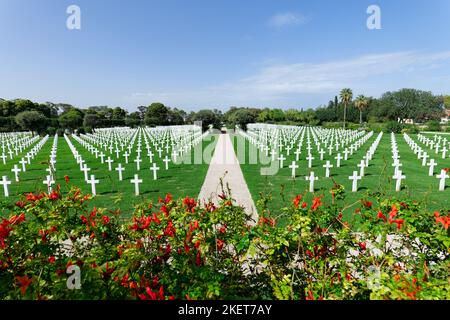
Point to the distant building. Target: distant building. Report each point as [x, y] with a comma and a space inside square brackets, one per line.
[446, 118]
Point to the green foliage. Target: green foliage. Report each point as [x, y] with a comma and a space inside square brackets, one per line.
[393, 126]
[433, 125]
[208, 117]
[91, 120]
[240, 117]
[71, 119]
[175, 249]
[32, 121]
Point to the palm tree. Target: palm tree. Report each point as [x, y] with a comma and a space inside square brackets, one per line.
[361, 103]
[346, 98]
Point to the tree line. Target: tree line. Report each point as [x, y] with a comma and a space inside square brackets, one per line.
[50, 118]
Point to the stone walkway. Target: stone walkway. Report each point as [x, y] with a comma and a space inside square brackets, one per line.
[224, 164]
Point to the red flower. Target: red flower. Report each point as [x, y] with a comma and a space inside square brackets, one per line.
[367, 204]
[54, 195]
[52, 259]
[296, 201]
[170, 229]
[168, 198]
[393, 212]
[399, 223]
[380, 215]
[190, 203]
[105, 219]
[17, 219]
[165, 210]
[310, 295]
[223, 229]
[317, 202]
[220, 244]
[24, 283]
[445, 221]
[67, 179]
[198, 259]
[304, 204]
[362, 245]
[83, 219]
[20, 204]
[5, 230]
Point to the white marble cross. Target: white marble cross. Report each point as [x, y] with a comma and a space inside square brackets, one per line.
[293, 166]
[281, 158]
[102, 156]
[338, 160]
[346, 152]
[126, 155]
[166, 161]
[361, 166]
[154, 168]
[93, 182]
[3, 156]
[49, 182]
[120, 169]
[311, 178]
[310, 158]
[398, 177]
[16, 171]
[444, 152]
[321, 152]
[109, 161]
[432, 164]
[396, 166]
[297, 154]
[136, 182]
[138, 163]
[443, 176]
[273, 153]
[5, 184]
[355, 179]
[327, 167]
[425, 156]
[85, 169]
[23, 162]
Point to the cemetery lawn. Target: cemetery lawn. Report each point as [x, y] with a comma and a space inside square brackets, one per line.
[180, 180]
[378, 178]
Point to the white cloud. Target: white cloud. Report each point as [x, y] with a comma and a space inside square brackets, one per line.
[279, 84]
[287, 19]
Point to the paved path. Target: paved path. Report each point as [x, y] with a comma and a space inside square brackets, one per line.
[224, 164]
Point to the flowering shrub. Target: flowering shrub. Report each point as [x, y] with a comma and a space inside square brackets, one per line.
[179, 249]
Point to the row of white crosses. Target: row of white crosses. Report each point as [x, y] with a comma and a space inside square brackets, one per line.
[83, 167]
[23, 163]
[438, 144]
[263, 136]
[28, 156]
[443, 176]
[398, 174]
[15, 141]
[50, 179]
[364, 163]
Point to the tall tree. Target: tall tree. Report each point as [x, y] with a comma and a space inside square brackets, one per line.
[346, 97]
[361, 103]
[33, 121]
[157, 115]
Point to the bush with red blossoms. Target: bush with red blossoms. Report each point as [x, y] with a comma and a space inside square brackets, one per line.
[179, 249]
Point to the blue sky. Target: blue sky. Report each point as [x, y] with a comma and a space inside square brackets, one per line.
[217, 53]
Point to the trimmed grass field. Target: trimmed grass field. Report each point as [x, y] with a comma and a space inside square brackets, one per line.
[180, 179]
[378, 178]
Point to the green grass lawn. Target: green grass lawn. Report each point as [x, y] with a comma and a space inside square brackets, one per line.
[378, 177]
[180, 180]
